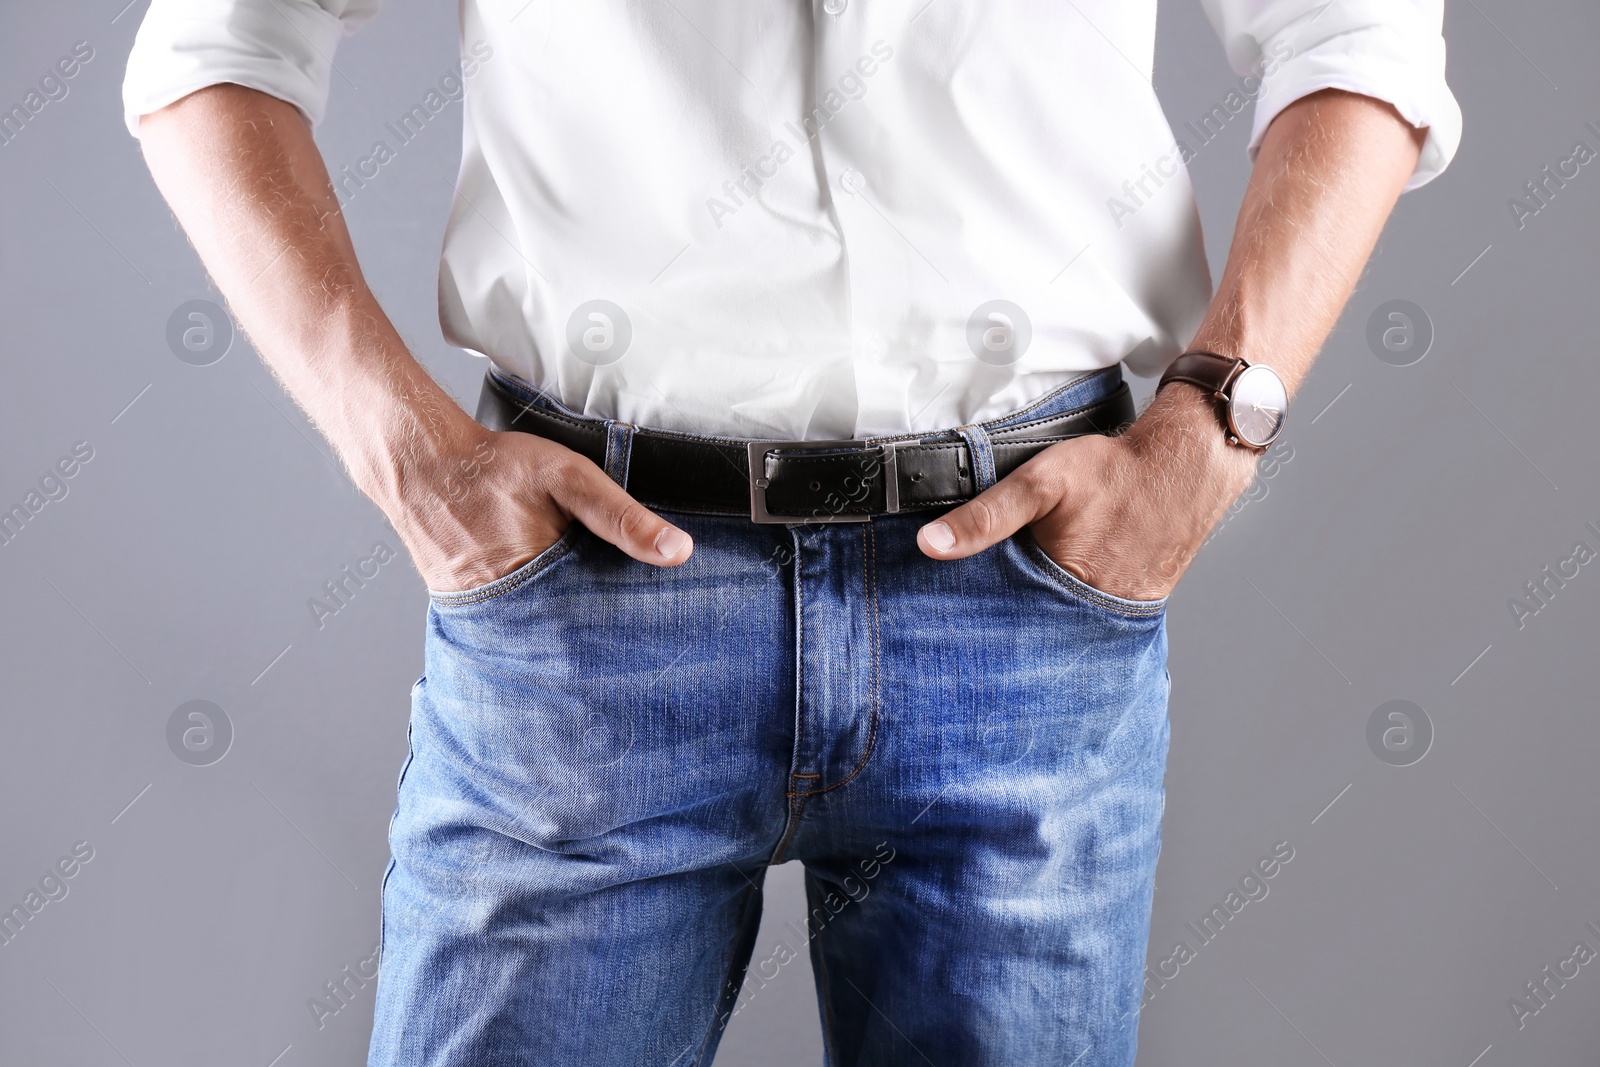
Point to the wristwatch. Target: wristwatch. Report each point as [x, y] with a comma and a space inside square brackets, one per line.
[1252, 396]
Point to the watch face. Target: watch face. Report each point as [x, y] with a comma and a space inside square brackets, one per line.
[1256, 405]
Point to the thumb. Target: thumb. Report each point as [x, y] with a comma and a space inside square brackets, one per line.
[986, 519]
[608, 512]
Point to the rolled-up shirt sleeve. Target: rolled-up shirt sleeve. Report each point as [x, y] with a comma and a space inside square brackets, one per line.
[1391, 50]
[281, 47]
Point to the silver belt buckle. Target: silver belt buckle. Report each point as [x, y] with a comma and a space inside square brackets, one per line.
[758, 478]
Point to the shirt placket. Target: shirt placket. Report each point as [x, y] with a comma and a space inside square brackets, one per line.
[851, 38]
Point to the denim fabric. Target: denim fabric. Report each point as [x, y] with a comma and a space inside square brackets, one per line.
[606, 756]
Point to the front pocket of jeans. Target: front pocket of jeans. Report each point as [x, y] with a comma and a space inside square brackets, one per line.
[528, 572]
[1037, 562]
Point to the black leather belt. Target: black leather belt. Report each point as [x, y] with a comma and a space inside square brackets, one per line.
[801, 481]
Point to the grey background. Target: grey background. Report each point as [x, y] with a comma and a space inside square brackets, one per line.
[1376, 566]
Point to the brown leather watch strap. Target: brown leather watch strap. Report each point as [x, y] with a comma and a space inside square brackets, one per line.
[1209, 371]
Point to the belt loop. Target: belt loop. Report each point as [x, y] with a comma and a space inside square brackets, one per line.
[982, 452]
[619, 450]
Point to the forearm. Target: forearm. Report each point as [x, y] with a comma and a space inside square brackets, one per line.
[244, 177]
[1326, 177]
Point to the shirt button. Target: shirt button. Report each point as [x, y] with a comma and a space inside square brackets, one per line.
[852, 181]
[834, 7]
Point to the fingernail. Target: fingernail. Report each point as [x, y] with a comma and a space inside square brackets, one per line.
[671, 542]
[940, 537]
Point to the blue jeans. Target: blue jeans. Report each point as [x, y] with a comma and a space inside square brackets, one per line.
[605, 758]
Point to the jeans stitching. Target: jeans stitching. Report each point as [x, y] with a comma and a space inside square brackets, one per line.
[619, 451]
[547, 405]
[1013, 431]
[796, 805]
[869, 544]
[501, 586]
[1084, 591]
[400, 782]
[981, 456]
[795, 801]
[1051, 395]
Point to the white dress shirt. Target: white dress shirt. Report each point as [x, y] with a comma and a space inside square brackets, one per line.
[820, 218]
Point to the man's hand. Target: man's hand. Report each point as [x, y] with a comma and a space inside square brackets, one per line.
[1127, 514]
[509, 496]
[1124, 514]
[243, 175]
